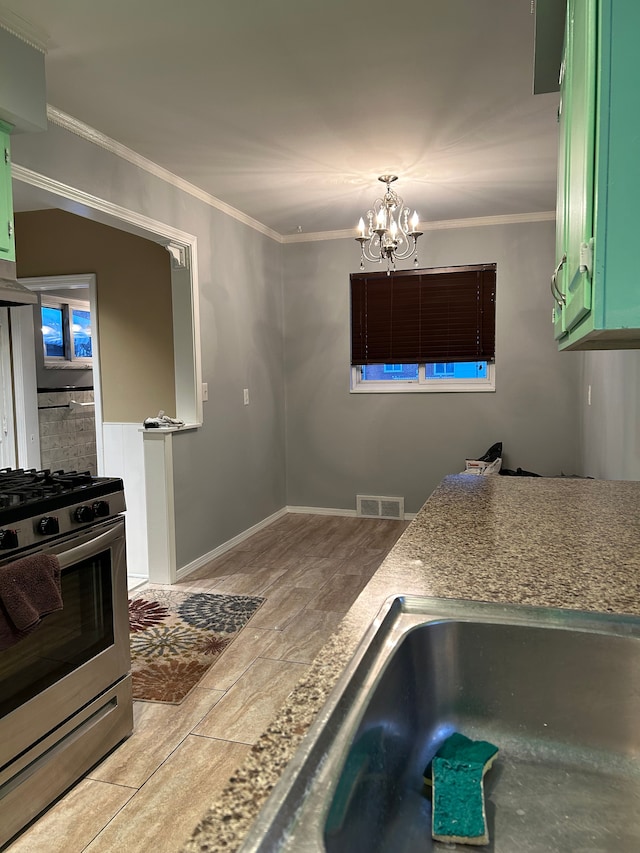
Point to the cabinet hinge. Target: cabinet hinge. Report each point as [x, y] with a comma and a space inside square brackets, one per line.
[6, 155]
[586, 257]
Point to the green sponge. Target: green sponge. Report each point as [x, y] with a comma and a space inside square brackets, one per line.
[456, 773]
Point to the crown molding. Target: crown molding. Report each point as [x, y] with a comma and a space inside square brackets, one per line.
[73, 194]
[90, 134]
[23, 29]
[437, 225]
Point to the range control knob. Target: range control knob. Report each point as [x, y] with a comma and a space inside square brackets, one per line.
[83, 514]
[48, 525]
[101, 509]
[8, 539]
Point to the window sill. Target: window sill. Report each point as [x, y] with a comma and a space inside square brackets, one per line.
[420, 388]
[68, 365]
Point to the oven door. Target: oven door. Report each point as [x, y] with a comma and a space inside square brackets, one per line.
[75, 654]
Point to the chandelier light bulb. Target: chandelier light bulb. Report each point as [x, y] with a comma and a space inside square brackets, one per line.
[393, 238]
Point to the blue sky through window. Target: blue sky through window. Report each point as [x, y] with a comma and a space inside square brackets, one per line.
[81, 333]
[389, 372]
[52, 332]
[407, 372]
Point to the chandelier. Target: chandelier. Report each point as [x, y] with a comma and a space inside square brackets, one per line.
[388, 234]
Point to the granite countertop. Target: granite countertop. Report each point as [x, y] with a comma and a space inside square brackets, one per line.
[551, 542]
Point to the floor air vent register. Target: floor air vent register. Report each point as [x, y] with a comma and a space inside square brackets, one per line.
[376, 506]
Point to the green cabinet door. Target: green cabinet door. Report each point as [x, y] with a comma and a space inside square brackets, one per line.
[580, 131]
[7, 246]
[558, 283]
[597, 288]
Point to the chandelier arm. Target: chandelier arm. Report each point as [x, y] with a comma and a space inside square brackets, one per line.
[388, 237]
[367, 251]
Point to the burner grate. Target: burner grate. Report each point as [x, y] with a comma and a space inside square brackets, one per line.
[19, 485]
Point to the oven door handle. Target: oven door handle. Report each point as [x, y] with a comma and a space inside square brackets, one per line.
[89, 549]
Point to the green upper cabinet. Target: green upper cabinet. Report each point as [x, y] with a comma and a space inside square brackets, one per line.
[595, 285]
[7, 245]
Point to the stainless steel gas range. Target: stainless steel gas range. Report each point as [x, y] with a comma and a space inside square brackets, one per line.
[65, 688]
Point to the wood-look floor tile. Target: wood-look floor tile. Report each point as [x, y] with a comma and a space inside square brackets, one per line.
[363, 560]
[346, 539]
[304, 572]
[250, 705]
[283, 529]
[164, 812]
[253, 582]
[158, 728]
[203, 584]
[339, 593]
[276, 553]
[281, 608]
[75, 820]
[226, 564]
[303, 638]
[238, 657]
[384, 533]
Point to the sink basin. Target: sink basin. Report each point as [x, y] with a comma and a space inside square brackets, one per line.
[556, 690]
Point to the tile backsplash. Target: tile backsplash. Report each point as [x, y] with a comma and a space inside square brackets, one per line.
[67, 438]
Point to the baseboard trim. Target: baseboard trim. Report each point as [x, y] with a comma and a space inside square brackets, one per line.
[199, 562]
[322, 510]
[348, 513]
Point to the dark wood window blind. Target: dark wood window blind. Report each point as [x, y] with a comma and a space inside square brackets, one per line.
[431, 315]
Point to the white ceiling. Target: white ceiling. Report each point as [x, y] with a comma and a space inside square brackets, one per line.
[288, 110]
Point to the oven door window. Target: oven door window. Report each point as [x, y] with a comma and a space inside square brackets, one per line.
[64, 640]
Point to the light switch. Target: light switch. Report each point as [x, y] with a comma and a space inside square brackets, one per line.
[246, 396]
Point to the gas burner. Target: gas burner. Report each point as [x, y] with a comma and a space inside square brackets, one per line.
[26, 485]
[29, 493]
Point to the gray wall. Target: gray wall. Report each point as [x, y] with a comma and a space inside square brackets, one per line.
[230, 474]
[610, 425]
[238, 469]
[341, 444]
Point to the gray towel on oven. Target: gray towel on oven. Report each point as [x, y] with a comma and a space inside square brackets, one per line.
[29, 590]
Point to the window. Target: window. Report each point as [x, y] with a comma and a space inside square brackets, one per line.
[66, 333]
[424, 330]
[52, 332]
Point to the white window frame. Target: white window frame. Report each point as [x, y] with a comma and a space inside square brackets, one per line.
[422, 385]
[70, 360]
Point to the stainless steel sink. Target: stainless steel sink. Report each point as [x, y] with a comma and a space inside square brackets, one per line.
[557, 691]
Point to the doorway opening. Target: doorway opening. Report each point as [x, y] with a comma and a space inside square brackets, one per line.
[66, 350]
[118, 425]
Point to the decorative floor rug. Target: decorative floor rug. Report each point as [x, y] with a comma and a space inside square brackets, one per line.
[177, 636]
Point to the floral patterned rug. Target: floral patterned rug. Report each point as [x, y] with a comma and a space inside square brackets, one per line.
[177, 636]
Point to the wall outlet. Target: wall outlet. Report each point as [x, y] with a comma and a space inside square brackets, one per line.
[246, 396]
[205, 392]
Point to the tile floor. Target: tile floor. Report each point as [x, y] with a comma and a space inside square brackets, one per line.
[151, 791]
